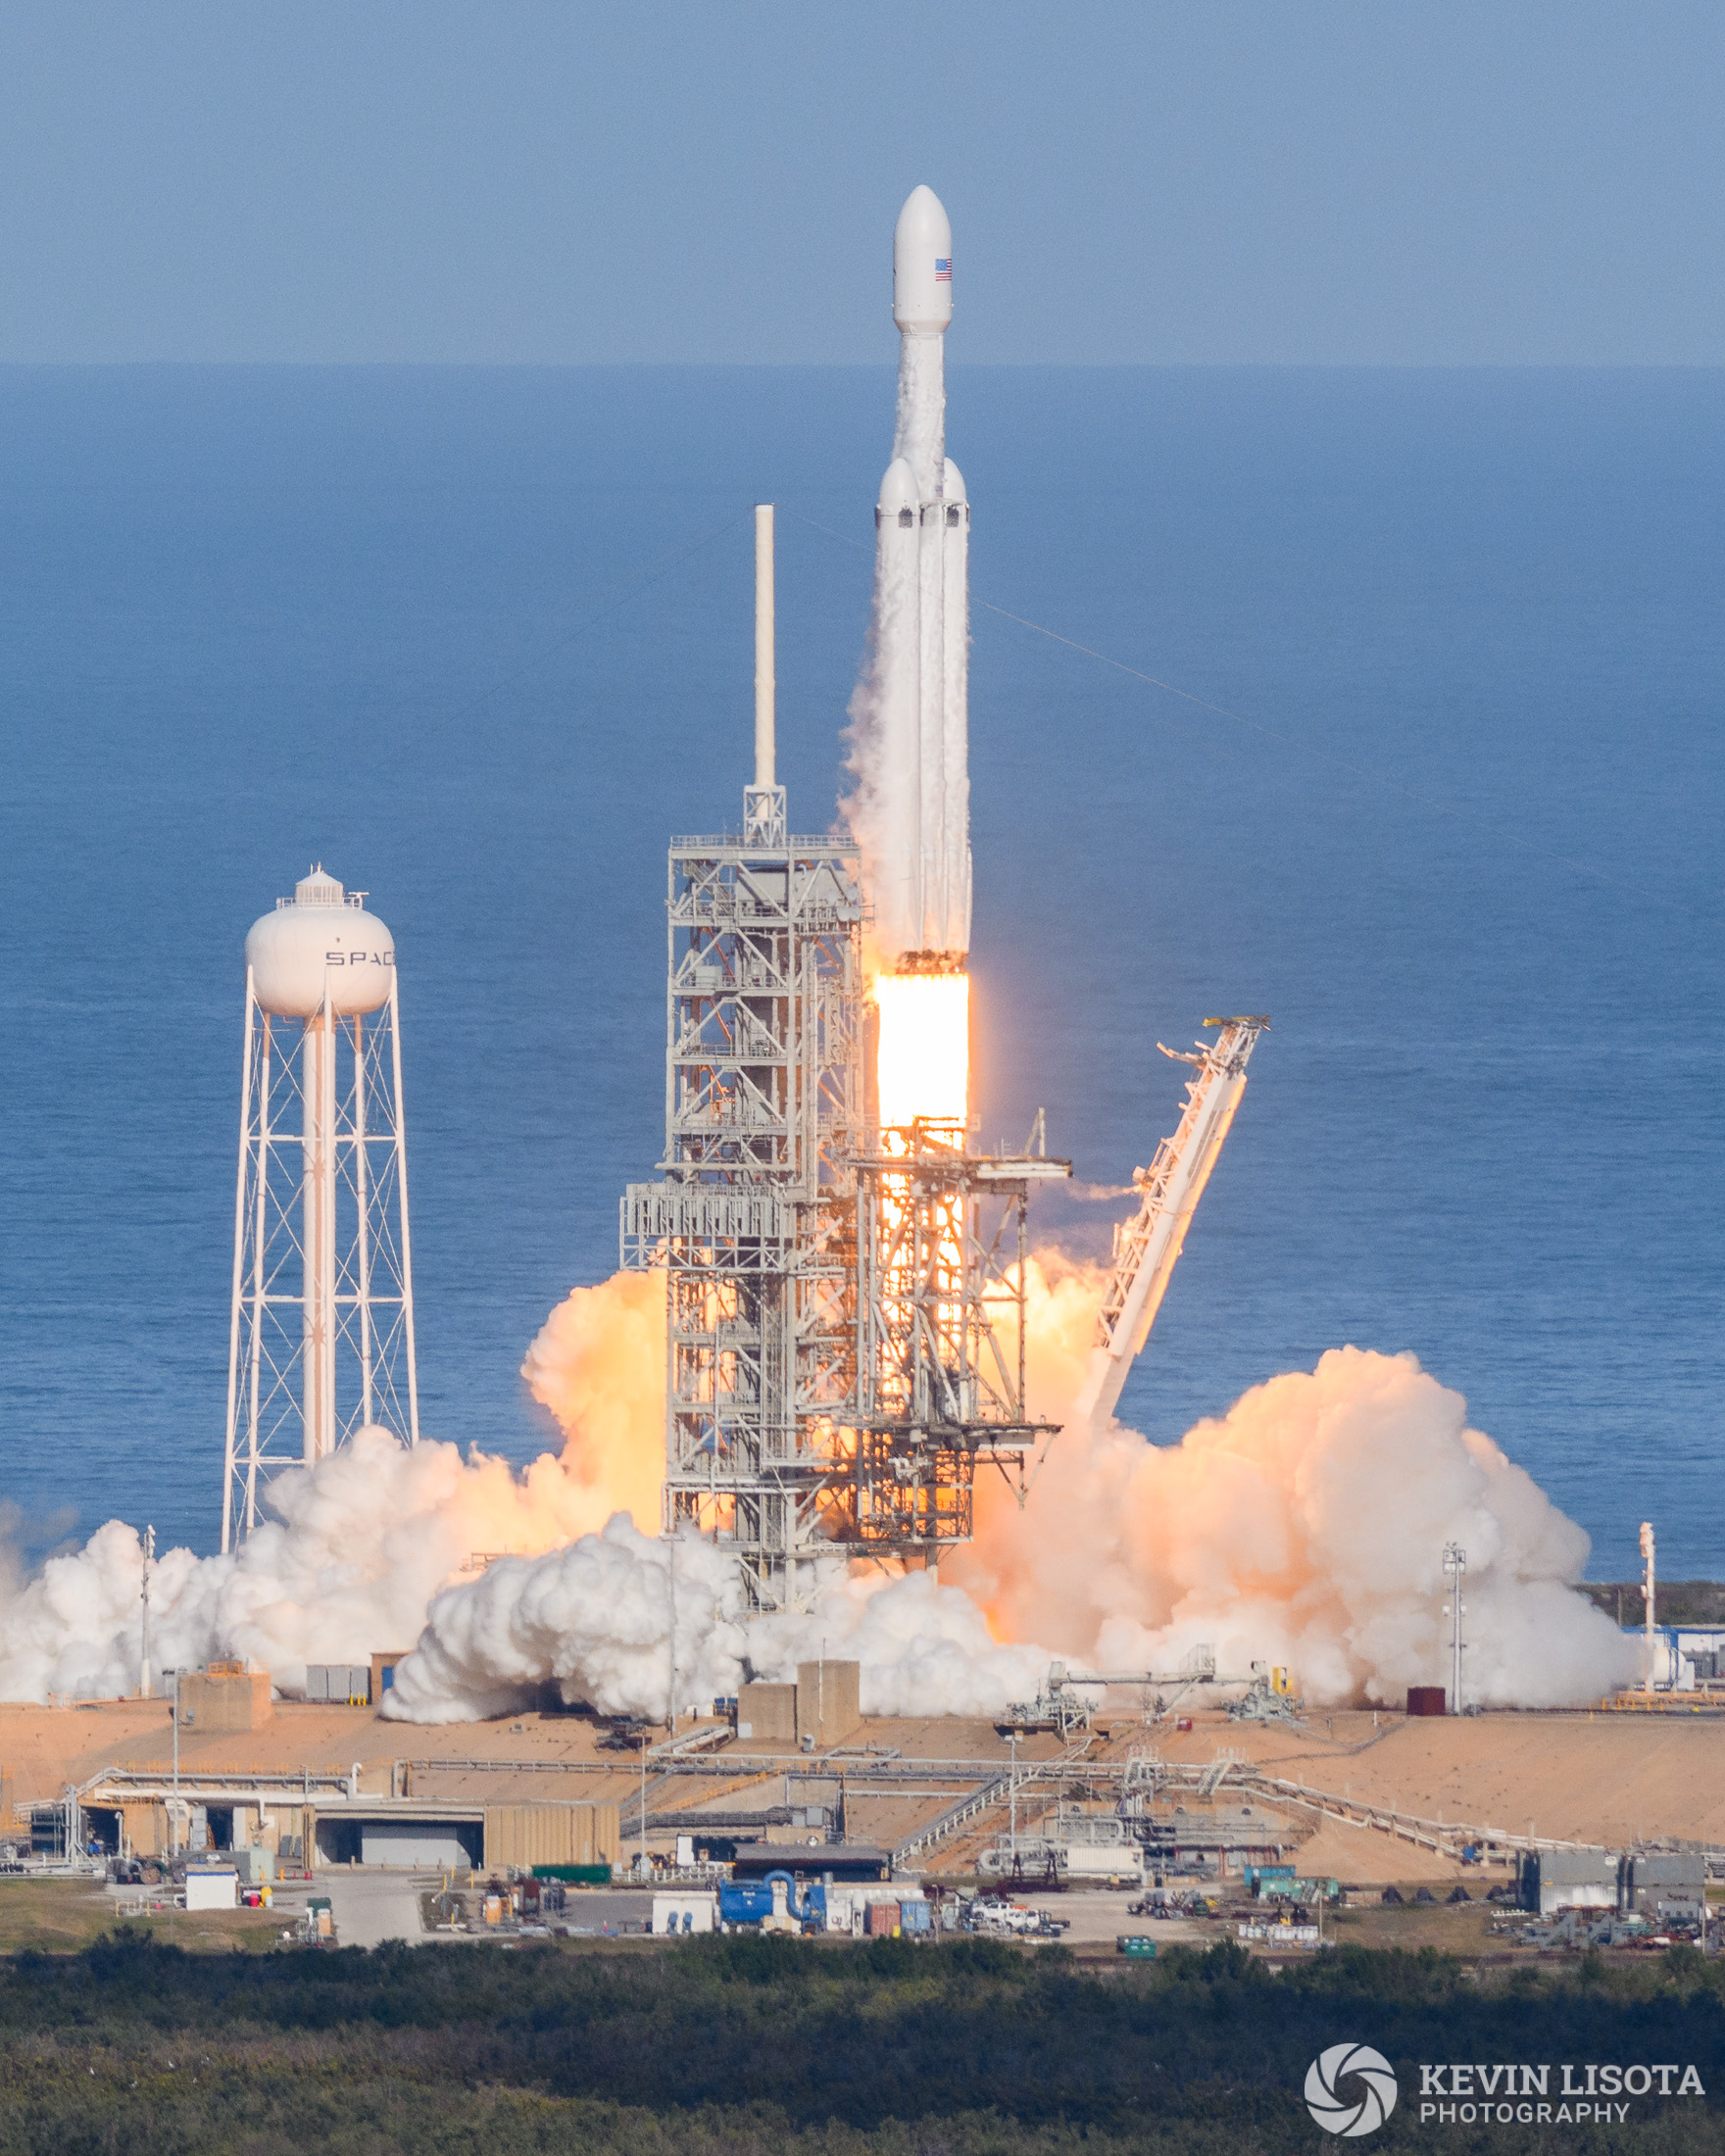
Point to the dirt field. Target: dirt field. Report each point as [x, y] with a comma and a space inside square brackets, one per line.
[60, 1915]
[1609, 1778]
[1464, 1929]
[1356, 1854]
[45, 1749]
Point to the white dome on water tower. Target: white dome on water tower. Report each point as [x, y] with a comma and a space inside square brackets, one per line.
[320, 946]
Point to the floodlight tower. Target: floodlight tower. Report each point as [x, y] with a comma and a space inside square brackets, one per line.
[320, 1341]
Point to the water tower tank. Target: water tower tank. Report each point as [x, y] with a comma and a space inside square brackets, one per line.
[321, 946]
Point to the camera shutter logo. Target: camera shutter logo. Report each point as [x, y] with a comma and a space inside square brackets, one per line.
[1366, 2104]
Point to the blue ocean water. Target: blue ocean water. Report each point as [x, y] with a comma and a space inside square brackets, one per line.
[481, 641]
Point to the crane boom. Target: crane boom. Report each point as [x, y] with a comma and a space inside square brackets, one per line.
[1147, 1249]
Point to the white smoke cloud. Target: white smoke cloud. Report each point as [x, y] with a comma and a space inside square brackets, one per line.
[925, 1648]
[1304, 1527]
[599, 1620]
[360, 1543]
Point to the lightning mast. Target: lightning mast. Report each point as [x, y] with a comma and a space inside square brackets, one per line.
[1148, 1248]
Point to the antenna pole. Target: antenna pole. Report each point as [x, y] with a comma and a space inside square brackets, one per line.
[766, 685]
[764, 803]
[144, 1600]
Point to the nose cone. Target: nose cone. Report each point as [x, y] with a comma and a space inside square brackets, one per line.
[898, 489]
[922, 264]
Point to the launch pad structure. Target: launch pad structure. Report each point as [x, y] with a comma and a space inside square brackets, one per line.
[846, 1271]
[844, 1305]
[846, 1297]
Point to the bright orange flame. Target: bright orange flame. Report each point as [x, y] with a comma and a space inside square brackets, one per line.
[924, 1067]
[922, 1073]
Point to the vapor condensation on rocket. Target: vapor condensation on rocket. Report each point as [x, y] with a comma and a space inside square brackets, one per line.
[918, 771]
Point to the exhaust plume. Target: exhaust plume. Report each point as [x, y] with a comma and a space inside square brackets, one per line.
[1304, 1527]
[364, 1540]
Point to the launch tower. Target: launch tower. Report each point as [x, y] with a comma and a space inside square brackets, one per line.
[846, 1303]
[321, 1336]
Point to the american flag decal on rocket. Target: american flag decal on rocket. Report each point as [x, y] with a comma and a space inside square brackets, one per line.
[943, 269]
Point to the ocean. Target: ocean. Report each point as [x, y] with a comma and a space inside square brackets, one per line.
[1436, 781]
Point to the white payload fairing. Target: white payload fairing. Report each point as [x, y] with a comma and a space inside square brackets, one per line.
[922, 625]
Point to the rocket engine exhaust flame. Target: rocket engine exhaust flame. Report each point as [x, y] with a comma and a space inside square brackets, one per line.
[923, 1066]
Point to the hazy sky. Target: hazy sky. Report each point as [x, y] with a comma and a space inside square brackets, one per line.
[1235, 181]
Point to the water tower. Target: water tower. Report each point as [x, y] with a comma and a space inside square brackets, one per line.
[322, 1340]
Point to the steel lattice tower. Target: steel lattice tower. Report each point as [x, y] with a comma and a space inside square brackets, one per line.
[846, 1305]
[755, 1219]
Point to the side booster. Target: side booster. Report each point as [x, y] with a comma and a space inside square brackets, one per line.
[922, 541]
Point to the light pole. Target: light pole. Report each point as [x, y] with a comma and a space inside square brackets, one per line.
[145, 1601]
[173, 1817]
[670, 1575]
[1454, 1571]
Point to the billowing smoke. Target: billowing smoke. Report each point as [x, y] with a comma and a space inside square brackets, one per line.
[598, 1366]
[360, 1543]
[615, 1619]
[509, 1580]
[628, 1624]
[1305, 1527]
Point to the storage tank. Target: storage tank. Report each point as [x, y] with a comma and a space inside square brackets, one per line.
[321, 948]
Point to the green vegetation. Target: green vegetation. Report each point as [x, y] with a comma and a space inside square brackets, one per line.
[971, 2049]
[1680, 1601]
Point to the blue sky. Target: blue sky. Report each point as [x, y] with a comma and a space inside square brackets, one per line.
[1220, 181]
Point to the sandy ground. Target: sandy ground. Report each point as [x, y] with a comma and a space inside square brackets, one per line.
[1355, 1854]
[1602, 1778]
[46, 1750]
[1607, 1778]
